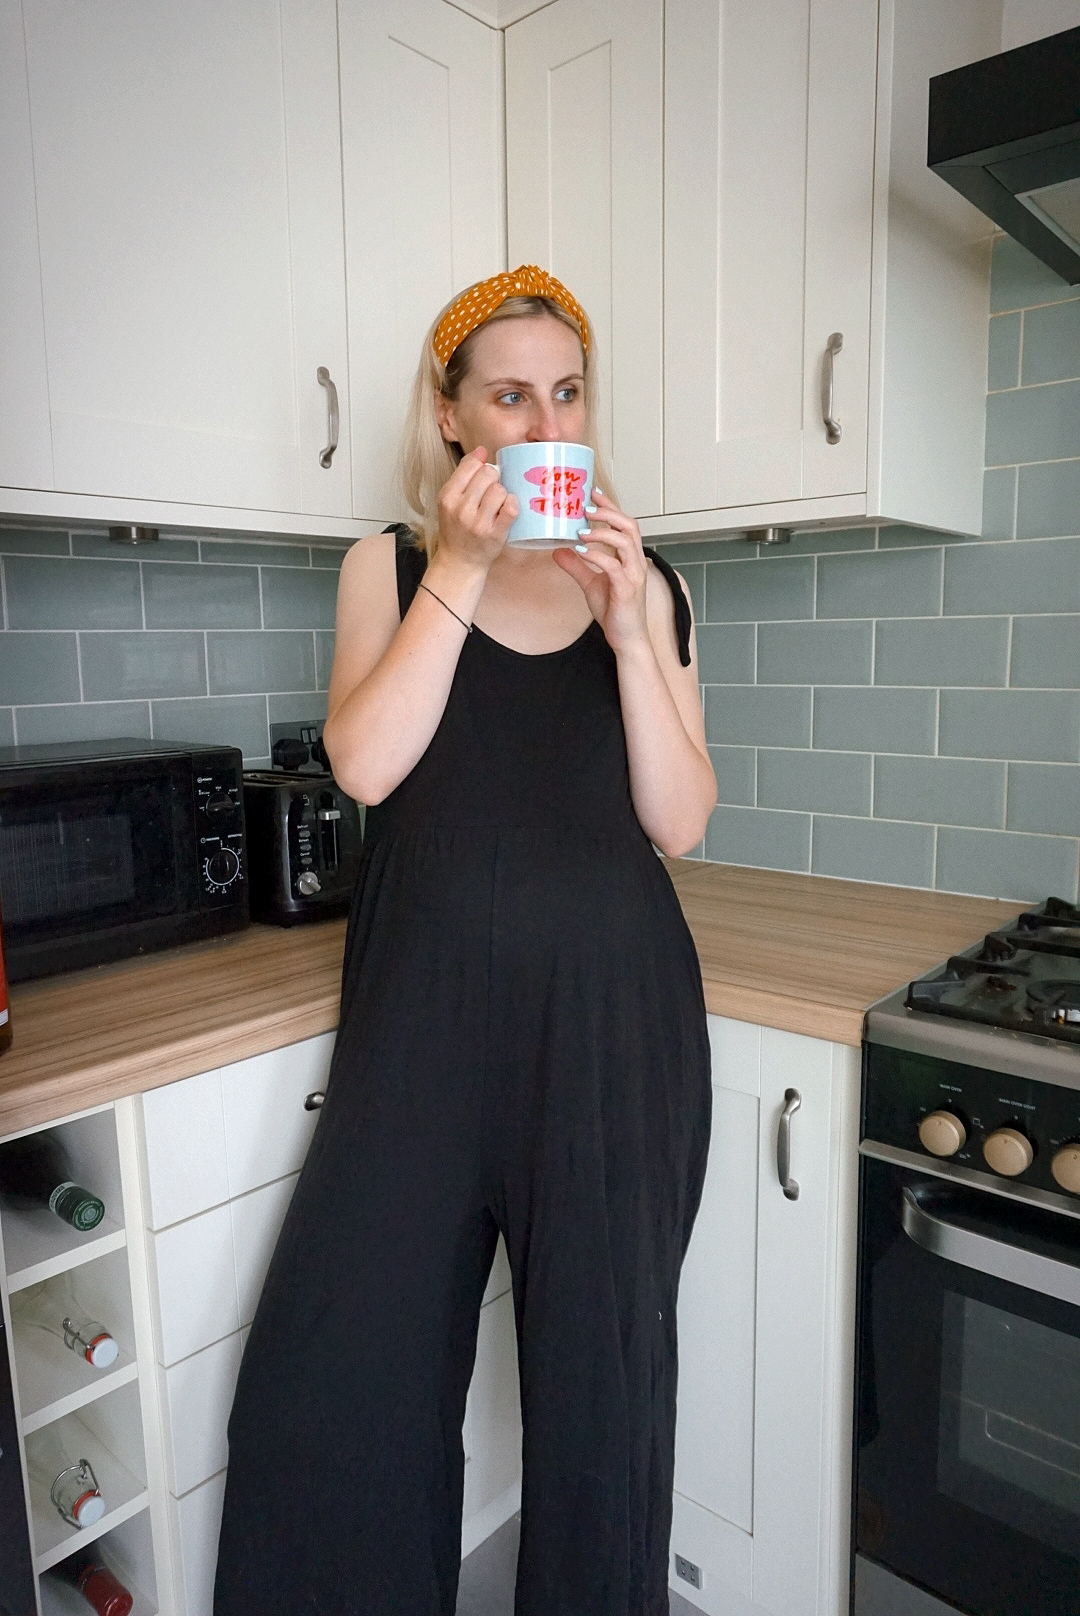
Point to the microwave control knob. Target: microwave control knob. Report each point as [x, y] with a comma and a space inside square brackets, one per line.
[1008, 1152]
[1066, 1168]
[942, 1133]
[220, 803]
[222, 867]
[308, 883]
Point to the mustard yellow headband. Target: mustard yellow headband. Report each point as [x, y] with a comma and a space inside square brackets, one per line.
[478, 303]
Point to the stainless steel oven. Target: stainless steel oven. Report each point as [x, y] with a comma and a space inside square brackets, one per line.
[967, 1454]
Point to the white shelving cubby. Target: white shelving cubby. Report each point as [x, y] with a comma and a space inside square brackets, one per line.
[110, 1417]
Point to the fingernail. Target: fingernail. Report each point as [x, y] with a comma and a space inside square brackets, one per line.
[584, 532]
[590, 510]
[582, 549]
[599, 491]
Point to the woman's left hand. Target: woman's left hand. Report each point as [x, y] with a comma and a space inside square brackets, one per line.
[612, 574]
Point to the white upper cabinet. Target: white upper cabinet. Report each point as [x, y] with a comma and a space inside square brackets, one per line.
[422, 140]
[815, 272]
[186, 171]
[769, 170]
[584, 174]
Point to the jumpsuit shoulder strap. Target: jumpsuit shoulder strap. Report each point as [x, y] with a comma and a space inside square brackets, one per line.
[683, 619]
[410, 561]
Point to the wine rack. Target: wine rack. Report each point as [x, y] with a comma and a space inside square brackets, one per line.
[109, 1416]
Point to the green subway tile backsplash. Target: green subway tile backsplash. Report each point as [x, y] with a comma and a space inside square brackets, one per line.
[193, 638]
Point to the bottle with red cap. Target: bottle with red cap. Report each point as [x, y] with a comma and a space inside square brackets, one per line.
[53, 1306]
[64, 1476]
[99, 1586]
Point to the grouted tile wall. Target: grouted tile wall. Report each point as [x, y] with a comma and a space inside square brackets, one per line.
[207, 638]
[895, 705]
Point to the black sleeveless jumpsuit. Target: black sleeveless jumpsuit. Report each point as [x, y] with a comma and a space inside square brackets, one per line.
[522, 1048]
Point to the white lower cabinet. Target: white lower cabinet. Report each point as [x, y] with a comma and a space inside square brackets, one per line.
[766, 1330]
[220, 1157]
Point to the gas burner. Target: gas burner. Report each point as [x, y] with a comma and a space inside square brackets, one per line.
[1057, 1004]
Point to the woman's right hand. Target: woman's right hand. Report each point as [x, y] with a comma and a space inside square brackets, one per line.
[475, 512]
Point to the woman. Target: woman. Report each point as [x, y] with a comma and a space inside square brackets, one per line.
[522, 1044]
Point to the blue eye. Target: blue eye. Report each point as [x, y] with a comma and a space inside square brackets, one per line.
[567, 394]
[511, 398]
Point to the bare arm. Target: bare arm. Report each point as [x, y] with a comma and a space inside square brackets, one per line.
[671, 776]
[390, 681]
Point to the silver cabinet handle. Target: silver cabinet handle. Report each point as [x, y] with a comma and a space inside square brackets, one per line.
[988, 1253]
[323, 376]
[832, 425]
[314, 1101]
[792, 1102]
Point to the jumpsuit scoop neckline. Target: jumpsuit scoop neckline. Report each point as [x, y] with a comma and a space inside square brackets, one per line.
[522, 1053]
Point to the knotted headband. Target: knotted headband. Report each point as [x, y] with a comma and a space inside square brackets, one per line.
[478, 303]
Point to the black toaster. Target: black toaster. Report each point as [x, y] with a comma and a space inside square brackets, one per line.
[303, 845]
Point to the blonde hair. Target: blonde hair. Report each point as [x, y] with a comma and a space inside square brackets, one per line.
[427, 459]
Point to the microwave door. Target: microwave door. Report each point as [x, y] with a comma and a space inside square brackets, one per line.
[93, 853]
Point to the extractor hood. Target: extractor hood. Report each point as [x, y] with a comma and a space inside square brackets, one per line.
[1006, 133]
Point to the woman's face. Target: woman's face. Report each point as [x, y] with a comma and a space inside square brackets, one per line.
[525, 383]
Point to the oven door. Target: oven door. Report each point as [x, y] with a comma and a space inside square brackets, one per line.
[95, 860]
[968, 1408]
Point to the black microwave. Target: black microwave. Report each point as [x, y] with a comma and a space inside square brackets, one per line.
[117, 847]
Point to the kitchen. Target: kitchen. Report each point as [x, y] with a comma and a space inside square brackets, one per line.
[890, 664]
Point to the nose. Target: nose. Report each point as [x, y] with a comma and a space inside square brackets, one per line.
[543, 427]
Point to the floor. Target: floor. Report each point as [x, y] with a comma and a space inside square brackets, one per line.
[487, 1577]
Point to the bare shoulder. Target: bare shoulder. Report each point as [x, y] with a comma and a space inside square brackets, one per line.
[367, 612]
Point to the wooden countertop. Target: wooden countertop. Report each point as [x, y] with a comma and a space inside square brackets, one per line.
[798, 952]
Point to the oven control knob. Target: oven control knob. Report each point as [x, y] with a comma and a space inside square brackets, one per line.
[942, 1133]
[1008, 1152]
[1066, 1168]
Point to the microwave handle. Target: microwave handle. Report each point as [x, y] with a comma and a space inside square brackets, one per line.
[989, 1254]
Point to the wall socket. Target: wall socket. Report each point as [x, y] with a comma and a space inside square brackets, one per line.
[688, 1571]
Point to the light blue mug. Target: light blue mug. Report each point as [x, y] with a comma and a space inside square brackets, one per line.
[552, 483]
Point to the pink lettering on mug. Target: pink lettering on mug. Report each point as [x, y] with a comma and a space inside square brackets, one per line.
[562, 491]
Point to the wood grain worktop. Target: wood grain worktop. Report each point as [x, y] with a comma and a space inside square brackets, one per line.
[802, 953]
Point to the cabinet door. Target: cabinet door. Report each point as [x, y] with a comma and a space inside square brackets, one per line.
[25, 451]
[421, 108]
[768, 178]
[584, 178]
[795, 1266]
[714, 1443]
[192, 270]
[759, 1437]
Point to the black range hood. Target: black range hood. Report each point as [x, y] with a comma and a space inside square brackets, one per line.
[1006, 133]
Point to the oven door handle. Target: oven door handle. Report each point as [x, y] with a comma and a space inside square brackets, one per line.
[989, 1254]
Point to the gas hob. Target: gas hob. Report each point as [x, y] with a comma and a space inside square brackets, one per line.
[1024, 978]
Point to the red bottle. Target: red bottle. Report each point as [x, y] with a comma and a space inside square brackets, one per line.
[88, 1573]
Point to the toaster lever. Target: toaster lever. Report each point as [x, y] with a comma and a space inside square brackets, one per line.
[329, 813]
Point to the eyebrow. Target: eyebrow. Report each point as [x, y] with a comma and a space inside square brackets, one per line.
[513, 381]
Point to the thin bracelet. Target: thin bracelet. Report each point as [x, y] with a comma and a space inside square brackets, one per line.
[466, 626]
